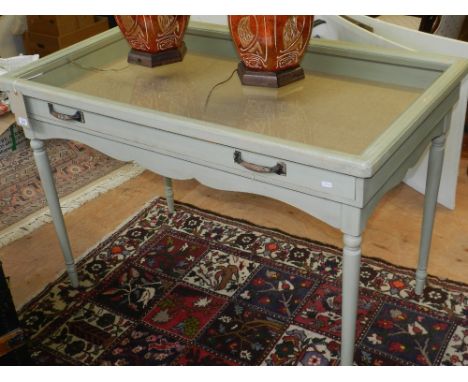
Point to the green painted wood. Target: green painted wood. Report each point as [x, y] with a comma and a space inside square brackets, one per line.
[169, 191]
[436, 159]
[47, 180]
[406, 150]
[393, 74]
[350, 288]
[365, 165]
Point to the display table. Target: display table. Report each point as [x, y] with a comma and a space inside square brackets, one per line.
[332, 145]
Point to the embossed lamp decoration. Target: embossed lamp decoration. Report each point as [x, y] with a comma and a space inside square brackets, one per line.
[270, 47]
[155, 40]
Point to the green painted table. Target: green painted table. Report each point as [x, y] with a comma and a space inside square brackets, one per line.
[331, 145]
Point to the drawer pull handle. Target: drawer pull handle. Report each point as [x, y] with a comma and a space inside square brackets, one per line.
[78, 116]
[279, 168]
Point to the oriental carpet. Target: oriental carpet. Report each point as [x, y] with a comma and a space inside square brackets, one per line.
[74, 166]
[197, 288]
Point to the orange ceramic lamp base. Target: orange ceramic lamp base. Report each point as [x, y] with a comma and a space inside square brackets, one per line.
[270, 48]
[155, 40]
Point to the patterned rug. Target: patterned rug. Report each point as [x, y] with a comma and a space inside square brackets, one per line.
[197, 288]
[21, 195]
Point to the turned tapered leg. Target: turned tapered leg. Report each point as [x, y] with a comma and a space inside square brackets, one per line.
[169, 194]
[45, 173]
[350, 293]
[434, 171]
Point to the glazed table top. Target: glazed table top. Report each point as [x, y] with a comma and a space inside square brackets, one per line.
[305, 111]
[355, 108]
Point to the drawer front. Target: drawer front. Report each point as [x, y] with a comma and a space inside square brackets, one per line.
[267, 169]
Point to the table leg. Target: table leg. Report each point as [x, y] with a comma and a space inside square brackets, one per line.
[350, 293]
[434, 171]
[169, 194]
[45, 173]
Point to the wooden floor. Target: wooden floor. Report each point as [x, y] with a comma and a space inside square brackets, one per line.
[465, 146]
[392, 232]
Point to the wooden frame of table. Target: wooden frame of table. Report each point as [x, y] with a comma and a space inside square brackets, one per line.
[393, 36]
[339, 185]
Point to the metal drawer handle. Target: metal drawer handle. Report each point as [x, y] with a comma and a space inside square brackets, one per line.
[279, 168]
[78, 116]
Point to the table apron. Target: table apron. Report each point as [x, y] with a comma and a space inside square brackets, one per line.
[332, 212]
[307, 179]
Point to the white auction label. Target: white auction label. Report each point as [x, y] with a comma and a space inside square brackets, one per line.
[23, 122]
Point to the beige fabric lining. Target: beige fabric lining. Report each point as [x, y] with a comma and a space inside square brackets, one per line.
[331, 112]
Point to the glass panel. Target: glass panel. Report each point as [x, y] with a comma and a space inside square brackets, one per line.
[333, 112]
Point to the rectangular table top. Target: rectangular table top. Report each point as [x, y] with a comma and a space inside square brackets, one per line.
[329, 111]
[357, 105]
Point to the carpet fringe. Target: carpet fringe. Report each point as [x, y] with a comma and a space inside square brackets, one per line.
[70, 202]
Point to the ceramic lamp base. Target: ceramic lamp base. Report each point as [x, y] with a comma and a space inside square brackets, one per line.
[157, 59]
[269, 79]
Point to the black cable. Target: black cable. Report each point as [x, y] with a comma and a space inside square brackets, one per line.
[215, 86]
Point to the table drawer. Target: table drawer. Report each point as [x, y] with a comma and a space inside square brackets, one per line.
[264, 168]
